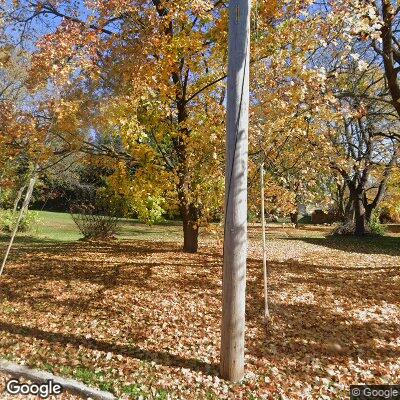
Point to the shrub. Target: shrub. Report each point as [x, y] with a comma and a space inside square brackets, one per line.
[305, 219]
[151, 210]
[8, 219]
[92, 223]
[95, 213]
[375, 225]
[252, 216]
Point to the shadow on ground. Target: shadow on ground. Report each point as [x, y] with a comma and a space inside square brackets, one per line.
[367, 245]
[314, 306]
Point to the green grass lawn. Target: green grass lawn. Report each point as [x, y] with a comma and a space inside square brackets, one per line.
[59, 227]
[56, 226]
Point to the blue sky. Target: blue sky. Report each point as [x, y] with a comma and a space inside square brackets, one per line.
[42, 24]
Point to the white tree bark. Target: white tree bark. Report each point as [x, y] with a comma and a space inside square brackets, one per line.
[235, 235]
[18, 198]
[22, 211]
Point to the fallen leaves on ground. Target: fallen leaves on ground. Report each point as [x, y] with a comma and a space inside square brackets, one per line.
[143, 319]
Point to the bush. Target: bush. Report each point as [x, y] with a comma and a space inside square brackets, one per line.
[150, 210]
[375, 224]
[8, 219]
[374, 227]
[93, 224]
[305, 219]
[95, 213]
[252, 216]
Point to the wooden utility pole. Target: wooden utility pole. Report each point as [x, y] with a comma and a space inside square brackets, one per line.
[235, 234]
[264, 240]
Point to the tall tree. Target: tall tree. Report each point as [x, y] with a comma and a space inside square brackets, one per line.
[151, 64]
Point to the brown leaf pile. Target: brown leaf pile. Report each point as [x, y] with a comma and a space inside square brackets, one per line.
[145, 318]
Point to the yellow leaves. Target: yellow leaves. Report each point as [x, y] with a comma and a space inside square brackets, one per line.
[71, 47]
[391, 204]
[267, 9]
[160, 59]
[67, 113]
[18, 129]
[149, 189]
[4, 57]
[292, 107]
[202, 8]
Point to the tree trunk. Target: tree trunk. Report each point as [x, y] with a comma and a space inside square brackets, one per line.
[359, 215]
[391, 72]
[294, 218]
[340, 201]
[189, 211]
[190, 229]
[349, 211]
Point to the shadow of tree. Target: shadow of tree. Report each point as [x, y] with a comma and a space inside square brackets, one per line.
[104, 269]
[307, 324]
[112, 281]
[389, 245]
[164, 358]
